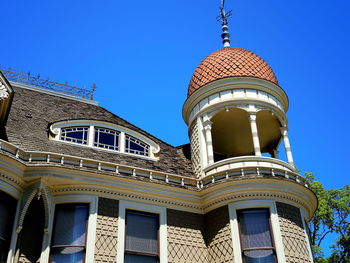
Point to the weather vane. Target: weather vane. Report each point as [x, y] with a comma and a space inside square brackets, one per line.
[224, 25]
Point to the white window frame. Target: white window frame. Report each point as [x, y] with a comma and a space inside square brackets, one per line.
[142, 207]
[91, 229]
[275, 227]
[55, 132]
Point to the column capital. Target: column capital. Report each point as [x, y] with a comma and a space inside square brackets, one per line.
[207, 125]
[284, 130]
[252, 116]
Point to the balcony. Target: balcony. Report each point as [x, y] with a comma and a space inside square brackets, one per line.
[250, 165]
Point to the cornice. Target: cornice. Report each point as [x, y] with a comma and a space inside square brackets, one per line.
[232, 84]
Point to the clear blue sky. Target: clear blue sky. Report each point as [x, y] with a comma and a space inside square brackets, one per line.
[141, 55]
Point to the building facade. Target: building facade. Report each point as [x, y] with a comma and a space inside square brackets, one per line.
[80, 184]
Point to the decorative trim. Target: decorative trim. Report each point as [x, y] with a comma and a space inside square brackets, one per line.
[132, 196]
[39, 189]
[12, 180]
[253, 195]
[4, 94]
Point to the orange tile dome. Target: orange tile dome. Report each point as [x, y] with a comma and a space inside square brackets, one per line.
[230, 62]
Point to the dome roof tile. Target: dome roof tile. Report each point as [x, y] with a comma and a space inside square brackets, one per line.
[230, 62]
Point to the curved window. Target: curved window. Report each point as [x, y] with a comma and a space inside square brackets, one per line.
[75, 134]
[103, 135]
[135, 146]
[106, 138]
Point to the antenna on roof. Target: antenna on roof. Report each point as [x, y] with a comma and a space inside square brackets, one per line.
[225, 35]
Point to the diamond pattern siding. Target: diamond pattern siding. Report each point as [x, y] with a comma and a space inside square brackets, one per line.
[186, 237]
[218, 236]
[230, 62]
[293, 235]
[195, 150]
[106, 231]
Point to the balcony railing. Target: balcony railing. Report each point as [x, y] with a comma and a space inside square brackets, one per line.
[221, 171]
[47, 84]
[250, 165]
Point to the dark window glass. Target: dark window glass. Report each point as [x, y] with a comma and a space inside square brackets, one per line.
[256, 237]
[141, 240]
[7, 214]
[69, 234]
[135, 146]
[75, 134]
[107, 139]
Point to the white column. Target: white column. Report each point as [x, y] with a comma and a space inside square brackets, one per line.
[275, 153]
[254, 129]
[209, 141]
[286, 142]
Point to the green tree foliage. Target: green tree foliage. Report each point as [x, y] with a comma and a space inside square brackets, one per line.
[332, 216]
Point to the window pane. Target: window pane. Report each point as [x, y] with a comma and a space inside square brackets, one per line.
[130, 258]
[4, 219]
[133, 145]
[75, 134]
[255, 228]
[141, 232]
[70, 225]
[105, 138]
[7, 214]
[67, 255]
[259, 256]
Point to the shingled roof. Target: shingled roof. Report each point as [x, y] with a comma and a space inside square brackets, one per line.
[32, 113]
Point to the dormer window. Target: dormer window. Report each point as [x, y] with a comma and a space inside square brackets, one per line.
[75, 134]
[106, 136]
[135, 146]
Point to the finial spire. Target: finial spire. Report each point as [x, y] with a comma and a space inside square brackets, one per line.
[224, 25]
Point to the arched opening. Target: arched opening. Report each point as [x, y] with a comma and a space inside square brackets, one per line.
[30, 239]
[269, 132]
[7, 215]
[231, 134]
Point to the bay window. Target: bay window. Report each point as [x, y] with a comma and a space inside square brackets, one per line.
[68, 244]
[255, 235]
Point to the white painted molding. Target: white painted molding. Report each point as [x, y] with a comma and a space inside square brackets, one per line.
[233, 90]
[276, 232]
[14, 236]
[4, 94]
[163, 242]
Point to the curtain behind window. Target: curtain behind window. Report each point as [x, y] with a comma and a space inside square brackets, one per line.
[69, 235]
[141, 241]
[256, 240]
